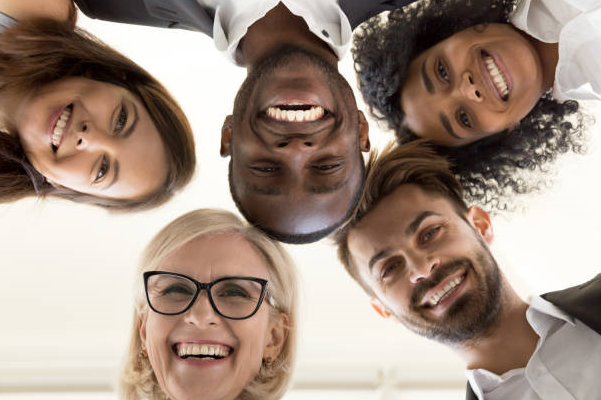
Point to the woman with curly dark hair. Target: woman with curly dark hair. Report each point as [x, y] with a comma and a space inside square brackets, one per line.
[80, 121]
[458, 74]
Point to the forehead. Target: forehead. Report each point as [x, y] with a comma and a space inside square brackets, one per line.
[386, 224]
[209, 257]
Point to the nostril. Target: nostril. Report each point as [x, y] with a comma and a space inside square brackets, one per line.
[79, 142]
[308, 144]
[471, 80]
[478, 94]
[84, 128]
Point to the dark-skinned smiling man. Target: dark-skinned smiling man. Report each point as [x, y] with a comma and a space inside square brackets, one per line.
[295, 136]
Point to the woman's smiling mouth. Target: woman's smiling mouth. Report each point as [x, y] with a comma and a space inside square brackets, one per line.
[60, 127]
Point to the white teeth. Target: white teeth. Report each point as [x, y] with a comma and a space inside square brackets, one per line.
[198, 350]
[445, 291]
[58, 130]
[312, 114]
[496, 75]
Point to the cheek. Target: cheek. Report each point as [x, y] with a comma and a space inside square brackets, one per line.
[157, 330]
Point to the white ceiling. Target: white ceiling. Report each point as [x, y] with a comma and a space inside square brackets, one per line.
[66, 269]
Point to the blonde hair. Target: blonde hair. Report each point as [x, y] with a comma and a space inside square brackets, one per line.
[138, 380]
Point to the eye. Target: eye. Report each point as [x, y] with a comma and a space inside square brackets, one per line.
[429, 234]
[441, 70]
[173, 290]
[233, 291]
[121, 119]
[103, 169]
[326, 167]
[390, 268]
[265, 169]
[464, 119]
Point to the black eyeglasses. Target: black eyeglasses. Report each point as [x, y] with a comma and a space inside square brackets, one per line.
[232, 297]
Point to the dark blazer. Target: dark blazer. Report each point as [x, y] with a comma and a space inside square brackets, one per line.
[582, 302]
[188, 14]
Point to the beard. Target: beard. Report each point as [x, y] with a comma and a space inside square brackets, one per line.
[471, 315]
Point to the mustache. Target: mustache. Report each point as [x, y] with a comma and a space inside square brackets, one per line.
[437, 276]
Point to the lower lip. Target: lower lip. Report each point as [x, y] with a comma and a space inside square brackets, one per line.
[444, 304]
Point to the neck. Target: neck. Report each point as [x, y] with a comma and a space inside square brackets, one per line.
[280, 28]
[507, 345]
[549, 56]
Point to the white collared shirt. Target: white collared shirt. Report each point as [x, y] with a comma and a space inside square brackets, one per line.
[565, 365]
[325, 19]
[576, 26]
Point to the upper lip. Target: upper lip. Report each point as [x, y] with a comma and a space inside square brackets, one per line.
[487, 80]
[441, 284]
[193, 341]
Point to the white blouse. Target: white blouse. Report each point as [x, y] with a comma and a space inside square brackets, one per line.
[576, 26]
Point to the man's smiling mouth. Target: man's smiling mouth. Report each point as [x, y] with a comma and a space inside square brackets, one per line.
[295, 112]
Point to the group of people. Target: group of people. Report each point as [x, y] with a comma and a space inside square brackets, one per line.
[476, 92]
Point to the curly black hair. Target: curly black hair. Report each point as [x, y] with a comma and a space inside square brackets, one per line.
[490, 169]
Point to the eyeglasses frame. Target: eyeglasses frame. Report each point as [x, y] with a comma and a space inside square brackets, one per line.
[200, 286]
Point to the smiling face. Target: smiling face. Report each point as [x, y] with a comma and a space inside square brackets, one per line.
[244, 342]
[476, 83]
[92, 137]
[295, 140]
[427, 265]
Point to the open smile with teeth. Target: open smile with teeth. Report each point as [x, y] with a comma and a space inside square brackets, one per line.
[202, 351]
[295, 112]
[59, 127]
[445, 292]
[497, 77]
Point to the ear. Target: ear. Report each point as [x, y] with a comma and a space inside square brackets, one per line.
[480, 220]
[276, 336]
[226, 136]
[142, 331]
[380, 308]
[363, 133]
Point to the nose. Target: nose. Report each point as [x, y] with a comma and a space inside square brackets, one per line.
[422, 266]
[83, 136]
[469, 89]
[201, 313]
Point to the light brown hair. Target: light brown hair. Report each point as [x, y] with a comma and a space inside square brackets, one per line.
[36, 53]
[413, 163]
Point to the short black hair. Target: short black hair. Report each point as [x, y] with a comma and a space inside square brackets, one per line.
[489, 169]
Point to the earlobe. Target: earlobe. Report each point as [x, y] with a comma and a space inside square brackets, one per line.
[480, 220]
[380, 308]
[364, 143]
[277, 337]
[226, 136]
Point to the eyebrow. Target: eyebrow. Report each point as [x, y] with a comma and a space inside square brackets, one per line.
[325, 189]
[379, 256]
[427, 82]
[414, 225]
[444, 120]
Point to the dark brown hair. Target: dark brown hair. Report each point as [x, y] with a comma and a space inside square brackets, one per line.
[36, 53]
[412, 163]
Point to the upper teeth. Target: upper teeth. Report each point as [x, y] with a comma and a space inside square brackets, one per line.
[445, 291]
[194, 349]
[496, 75]
[312, 114]
[59, 127]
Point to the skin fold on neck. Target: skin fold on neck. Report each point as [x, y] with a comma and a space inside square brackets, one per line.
[260, 42]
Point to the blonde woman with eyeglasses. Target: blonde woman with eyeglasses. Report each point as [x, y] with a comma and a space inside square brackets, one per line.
[215, 314]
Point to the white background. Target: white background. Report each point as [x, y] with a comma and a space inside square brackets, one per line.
[66, 269]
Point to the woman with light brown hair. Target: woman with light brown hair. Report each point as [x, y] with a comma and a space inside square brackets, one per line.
[215, 314]
[79, 120]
